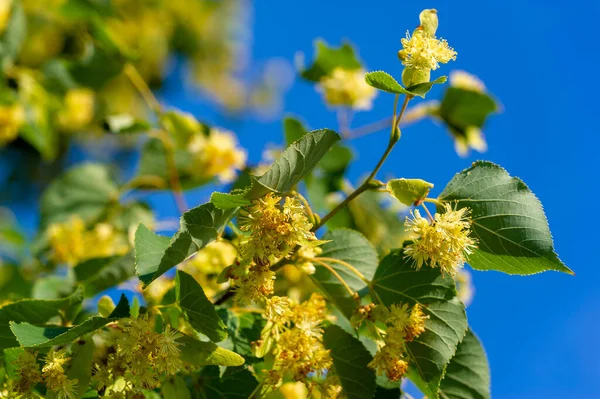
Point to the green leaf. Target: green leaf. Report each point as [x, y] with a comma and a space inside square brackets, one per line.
[383, 81]
[421, 89]
[468, 374]
[409, 191]
[35, 311]
[294, 163]
[154, 254]
[396, 281]
[85, 191]
[350, 360]
[462, 108]
[328, 58]
[229, 201]
[14, 36]
[353, 249]
[235, 382]
[507, 220]
[32, 336]
[99, 274]
[199, 353]
[293, 129]
[175, 388]
[126, 124]
[81, 364]
[242, 330]
[198, 310]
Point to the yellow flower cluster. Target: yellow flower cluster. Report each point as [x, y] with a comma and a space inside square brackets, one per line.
[55, 378]
[466, 81]
[71, 243]
[293, 335]
[78, 111]
[216, 155]
[28, 375]
[424, 52]
[208, 263]
[12, 118]
[275, 230]
[343, 87]
[443, 243]
[402, 325]
[142, 356]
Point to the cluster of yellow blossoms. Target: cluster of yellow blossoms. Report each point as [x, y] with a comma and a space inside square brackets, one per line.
[216, 155]
[401, 324]
[70, 243]
[343, 87]
[423, 52]
[443, 242]
[52, 375]
[293, 337]
[140, 358]
[275, 230]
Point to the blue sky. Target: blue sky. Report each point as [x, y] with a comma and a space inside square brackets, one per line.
[536, 58]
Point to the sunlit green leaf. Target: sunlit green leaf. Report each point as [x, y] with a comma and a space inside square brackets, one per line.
[328, 58]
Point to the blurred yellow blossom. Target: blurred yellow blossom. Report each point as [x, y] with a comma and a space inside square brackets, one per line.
[208, 263]
[466, 81]
[217, 155]
[348, 88]
[78, 110]
[5, 12]
[12, 118]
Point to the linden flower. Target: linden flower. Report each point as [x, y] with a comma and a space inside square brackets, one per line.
[217, 155]
[424, 52]
[466, 81]
[78, 111]
[28, 374]
[5, 11]
[345, 87]
[445, 243]
[12, 118]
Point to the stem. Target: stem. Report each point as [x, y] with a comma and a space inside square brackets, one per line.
[337, 275]
[348, 266]
[433, 201]
[174, 181]
[428, 213]
[141, 86]
[367, 184]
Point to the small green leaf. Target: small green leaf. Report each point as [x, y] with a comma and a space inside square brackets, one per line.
[409, 191]
[293, 129]
[198, 310]
[345, 251]
[229, 201]
[350, 360]
[384, 81]
[468, 373]
[507, 220]
[421, 89]
[32, 336]
[126, 124]
[328, 58]
[199, 353]
[396, 281]
[35, 311]
[85, 190]
[294, 163]
[462, 108]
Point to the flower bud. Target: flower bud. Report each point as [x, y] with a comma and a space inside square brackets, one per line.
[411, 76]
[429, 21]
